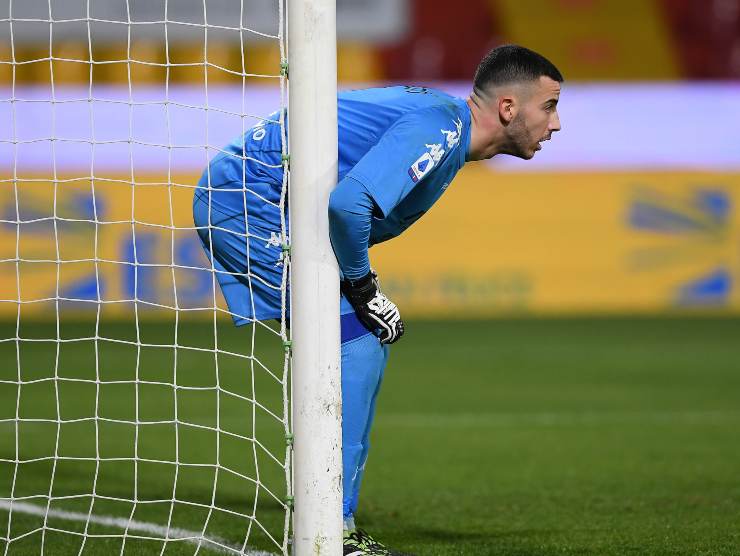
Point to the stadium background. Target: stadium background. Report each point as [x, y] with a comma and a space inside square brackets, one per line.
[569, 381]
[632, 208]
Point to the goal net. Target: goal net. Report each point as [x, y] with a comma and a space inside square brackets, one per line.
[134, 417]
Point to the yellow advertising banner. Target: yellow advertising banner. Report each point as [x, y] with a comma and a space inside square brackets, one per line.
[571, 242]
[496, 243]
[102, 241]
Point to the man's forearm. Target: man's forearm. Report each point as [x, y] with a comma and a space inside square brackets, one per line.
[350, 216]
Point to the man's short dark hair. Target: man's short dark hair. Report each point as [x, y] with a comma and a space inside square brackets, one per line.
[511, 63]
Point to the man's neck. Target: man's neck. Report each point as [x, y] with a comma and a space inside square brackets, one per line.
[481, 146]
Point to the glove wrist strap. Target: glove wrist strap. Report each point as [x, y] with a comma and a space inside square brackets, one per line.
[360, 290]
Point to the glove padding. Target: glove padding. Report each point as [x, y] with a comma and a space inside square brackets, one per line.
[378, 313]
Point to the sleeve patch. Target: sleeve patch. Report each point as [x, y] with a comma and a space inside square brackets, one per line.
[426, 162]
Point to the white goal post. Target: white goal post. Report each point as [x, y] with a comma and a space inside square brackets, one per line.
[316, 378]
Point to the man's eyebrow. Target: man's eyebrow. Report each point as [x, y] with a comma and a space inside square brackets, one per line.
[554, 101]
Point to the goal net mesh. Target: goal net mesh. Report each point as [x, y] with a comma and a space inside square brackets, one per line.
[135, 418]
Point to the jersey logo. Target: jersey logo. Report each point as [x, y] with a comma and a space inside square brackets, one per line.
[426, 162]
[258, 131]
[276, 241]
[453, 137]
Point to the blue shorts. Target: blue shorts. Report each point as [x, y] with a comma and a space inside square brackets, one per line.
[247, 260]
[239, 229]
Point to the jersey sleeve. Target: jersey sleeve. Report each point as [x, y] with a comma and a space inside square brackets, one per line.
[406, 154]
[350, 215]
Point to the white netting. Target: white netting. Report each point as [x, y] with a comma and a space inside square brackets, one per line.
[134, 417]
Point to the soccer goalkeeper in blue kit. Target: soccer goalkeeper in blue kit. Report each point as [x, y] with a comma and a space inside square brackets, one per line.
[399, 149]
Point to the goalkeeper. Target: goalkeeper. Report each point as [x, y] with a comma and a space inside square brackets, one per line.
[399, 149]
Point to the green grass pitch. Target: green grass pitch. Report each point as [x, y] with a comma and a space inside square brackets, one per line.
[520, 437]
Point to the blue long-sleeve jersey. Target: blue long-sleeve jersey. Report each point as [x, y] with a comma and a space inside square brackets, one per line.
[399, 149]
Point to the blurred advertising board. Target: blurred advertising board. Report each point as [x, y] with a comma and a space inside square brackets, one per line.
[571, 243]
[497, 243]
[634, 212]
[143, 246]
[606, 127]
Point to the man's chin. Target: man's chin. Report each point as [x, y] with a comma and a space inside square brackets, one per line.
[528, 153]
[524, 155]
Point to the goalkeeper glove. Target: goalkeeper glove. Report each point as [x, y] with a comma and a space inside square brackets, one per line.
[378, 313]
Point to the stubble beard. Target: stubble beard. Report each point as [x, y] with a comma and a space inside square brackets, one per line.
[520, 140]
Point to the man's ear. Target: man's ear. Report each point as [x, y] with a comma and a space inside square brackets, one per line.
[507, 109]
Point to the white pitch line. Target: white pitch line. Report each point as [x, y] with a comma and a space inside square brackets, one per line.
[171, 533]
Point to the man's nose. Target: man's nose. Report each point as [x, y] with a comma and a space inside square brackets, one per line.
[555, 123]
